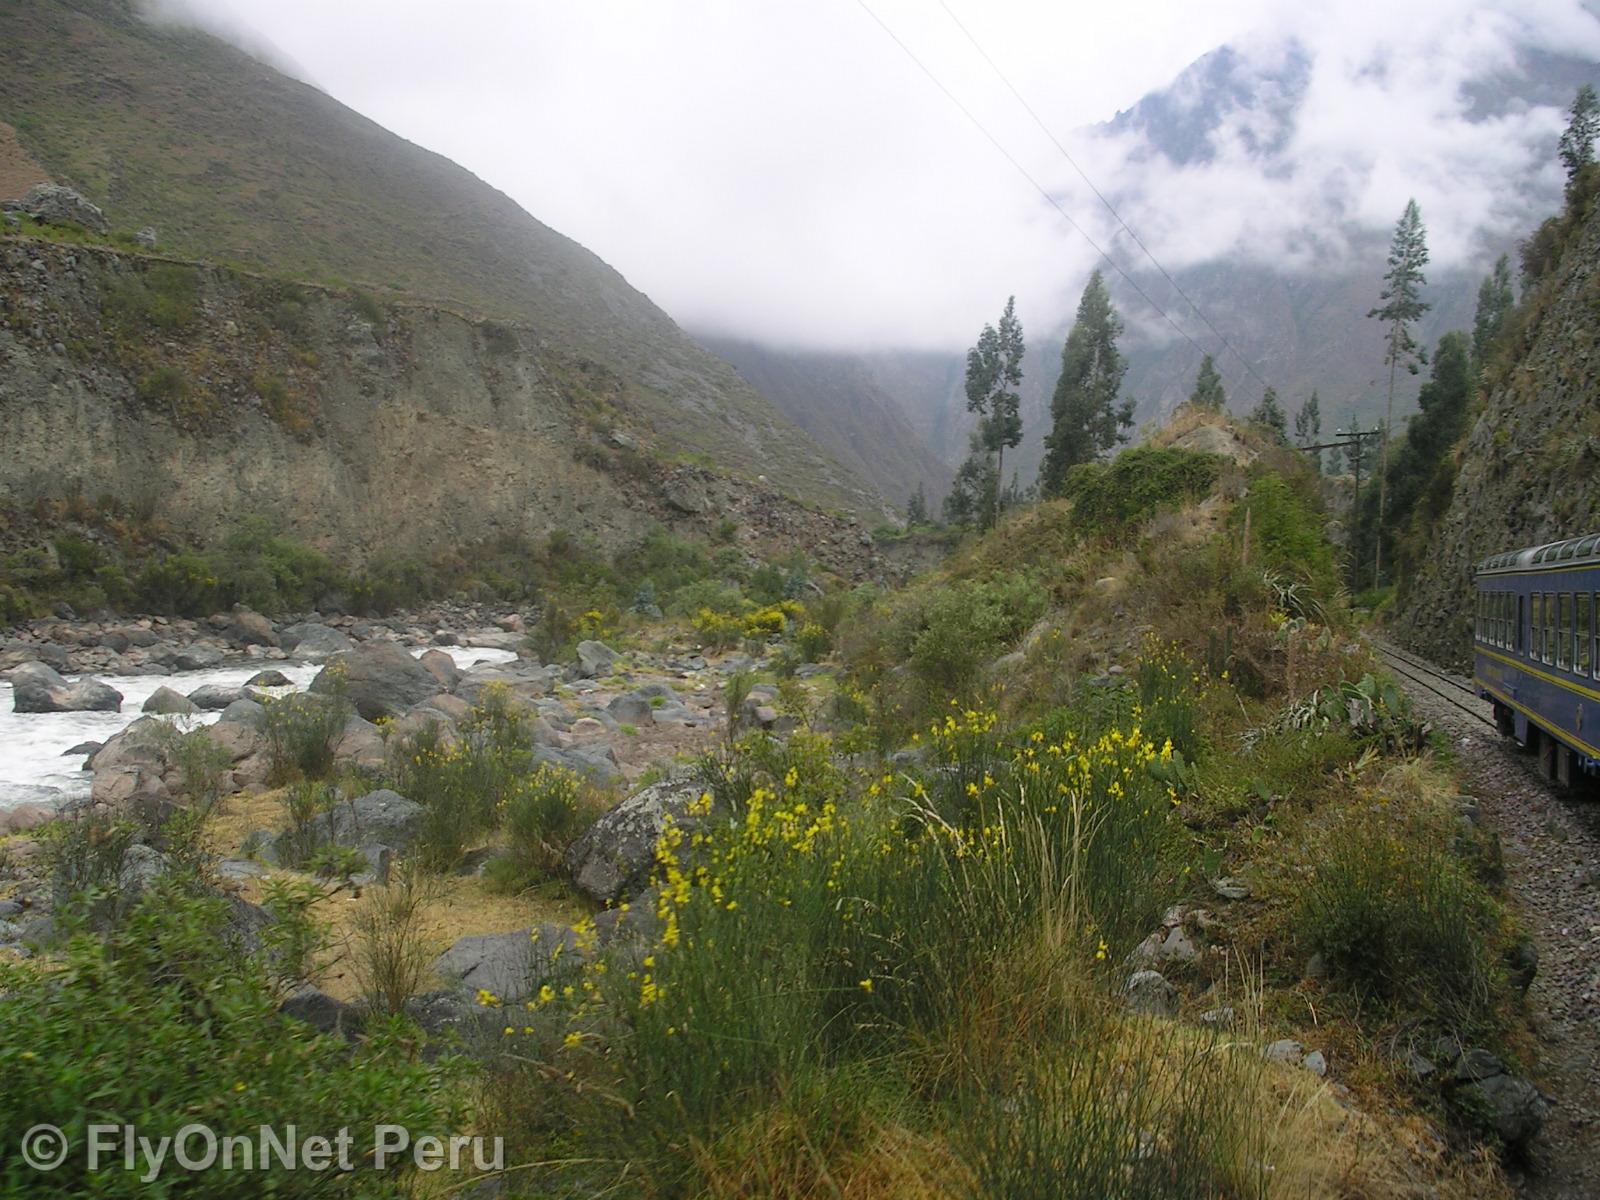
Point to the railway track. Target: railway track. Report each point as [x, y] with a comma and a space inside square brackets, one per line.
[1447, 687]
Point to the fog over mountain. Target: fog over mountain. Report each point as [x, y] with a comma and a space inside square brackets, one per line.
[786, 177]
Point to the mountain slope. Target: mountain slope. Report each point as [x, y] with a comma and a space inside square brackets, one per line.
[232, 161]
[836, 400]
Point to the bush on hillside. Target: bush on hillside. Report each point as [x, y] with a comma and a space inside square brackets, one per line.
[1136, 485]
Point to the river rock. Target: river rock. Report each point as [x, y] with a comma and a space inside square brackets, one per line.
[361, 745]
[268, 679]
[198, 657]
[37, 688]
[313, 641]
[214, 697]
[509, 966]
[166, 702]
[380, 679]
[322, 1012]
[245, 627]
[242, 712]
[381, 818]
[632, 710]
[442, 667]
[595, 658]
[612, 859]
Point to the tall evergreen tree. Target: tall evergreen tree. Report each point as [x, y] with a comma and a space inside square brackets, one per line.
[1085, 418]
[974, 495]
[1583, 127]
[917, 507]
[1308, 426]
[1269, 414]
[1495, 301]
[1208, 391]
[1402, 306]
[994, 371]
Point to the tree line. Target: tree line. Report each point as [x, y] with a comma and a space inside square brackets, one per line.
[1412, 471]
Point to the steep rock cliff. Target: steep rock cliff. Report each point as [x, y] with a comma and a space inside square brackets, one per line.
[197, 395]
[1530, 464]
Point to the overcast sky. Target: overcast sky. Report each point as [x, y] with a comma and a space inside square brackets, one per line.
[781, 169]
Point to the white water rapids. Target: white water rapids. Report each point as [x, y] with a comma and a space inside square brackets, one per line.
[32, 768]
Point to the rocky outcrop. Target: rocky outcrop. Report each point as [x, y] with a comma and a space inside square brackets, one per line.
[37, 688]
[1527, 464]
[508, 966]
[380, 679]
[53, 204]
[418, 434]
[612, 859]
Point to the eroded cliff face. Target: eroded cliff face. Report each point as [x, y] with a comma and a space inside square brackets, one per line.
[1530, 467]
[197, 395]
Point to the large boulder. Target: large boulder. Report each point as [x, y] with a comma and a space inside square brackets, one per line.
[1510, 1105]
[509, 966]
[612, 859]
[595, 658]
[313, 641]
[37, 688]
[245, 627]
[53, 204]
[215, 697]
[525, 681]
[598, 764]
[166, 702]
[198, 657]
[380, 679]
[381, 818]
[442, 667]
[361, 745]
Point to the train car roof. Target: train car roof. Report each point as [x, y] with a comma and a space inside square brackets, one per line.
[1578, 551]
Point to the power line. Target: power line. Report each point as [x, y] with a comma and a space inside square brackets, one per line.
[1023, 171]
[1037, 120]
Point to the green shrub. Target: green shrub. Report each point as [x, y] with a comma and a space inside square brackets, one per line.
[162, 385]
[1136, 485]
[305, 800]
[544, 812]
[165, 297]
[291, 943]
[1399, 918]
[959, 629]
[813, 642]
[164, 1023]
[390, 956]
[301, 731]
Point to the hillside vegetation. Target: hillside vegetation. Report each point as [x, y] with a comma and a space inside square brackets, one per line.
[1523, 472]
[1098, 862]
[231, 161]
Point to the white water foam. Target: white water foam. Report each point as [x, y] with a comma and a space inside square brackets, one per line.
[32, 768]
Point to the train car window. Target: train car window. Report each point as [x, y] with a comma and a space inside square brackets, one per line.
[1564, 631]
[1482, 599]
[1585, 654]
[1536, 626]
[1549, 655]
[1505, 618]
[1520, 624]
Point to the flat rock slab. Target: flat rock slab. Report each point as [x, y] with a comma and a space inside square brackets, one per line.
[509, 966]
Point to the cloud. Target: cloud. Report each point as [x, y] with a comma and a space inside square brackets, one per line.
[783, 171]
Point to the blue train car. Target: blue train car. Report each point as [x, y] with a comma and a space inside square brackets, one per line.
[1535, 654]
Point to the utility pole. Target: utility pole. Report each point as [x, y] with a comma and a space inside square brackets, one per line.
[1350, 441]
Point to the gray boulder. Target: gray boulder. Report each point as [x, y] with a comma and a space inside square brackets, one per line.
[242, 712]
[509, 966]
[380, 679]
[598, 764]
[527, 682]
[268, 679]
[37, 688]
[53, 204]
[612, 859]
[632, 710]
[381, 818]
[1512, 1106]
[166, 702]
[198, 657]
[322, 1012]
[442, 667]
[215, 697]
[1148, 992]
[595, 658]
[313, 641]
[361, 745]
[245, 627]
